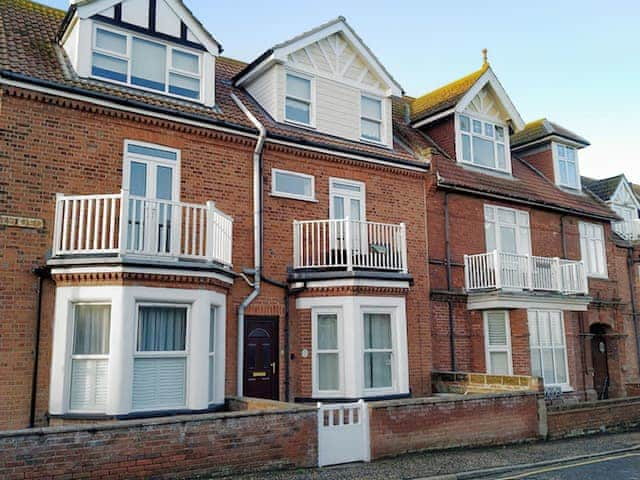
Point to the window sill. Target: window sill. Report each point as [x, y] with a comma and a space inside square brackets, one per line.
[595, 276]
[293, 197]
[293, 123]
[506, 174]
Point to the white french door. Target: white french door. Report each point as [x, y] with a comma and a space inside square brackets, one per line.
[347, 200]
[151, 176]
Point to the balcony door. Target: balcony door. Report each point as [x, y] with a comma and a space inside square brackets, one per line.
[347, 200]
[151, 176]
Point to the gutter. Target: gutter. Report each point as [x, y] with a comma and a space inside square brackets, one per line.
[257, 237]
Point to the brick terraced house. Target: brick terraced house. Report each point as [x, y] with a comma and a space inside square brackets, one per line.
[178, 227]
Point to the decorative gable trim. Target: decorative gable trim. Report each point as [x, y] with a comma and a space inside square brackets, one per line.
[624, 186]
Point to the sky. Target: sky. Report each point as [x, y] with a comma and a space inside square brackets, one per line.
[575, 62]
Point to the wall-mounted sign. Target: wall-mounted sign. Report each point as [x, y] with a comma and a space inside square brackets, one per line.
[22, 222]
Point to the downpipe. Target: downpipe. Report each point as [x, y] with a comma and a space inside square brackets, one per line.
[257, 237]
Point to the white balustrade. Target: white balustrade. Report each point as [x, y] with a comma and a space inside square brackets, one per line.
[126, 224]
[628, 230]
[500, 270]
[349, 244]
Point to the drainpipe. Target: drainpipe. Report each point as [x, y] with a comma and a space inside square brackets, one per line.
[287, 367]
[634, 308]
[41, 273]
[452, 341]
[257, 236]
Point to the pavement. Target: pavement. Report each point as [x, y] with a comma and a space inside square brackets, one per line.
[618, 460]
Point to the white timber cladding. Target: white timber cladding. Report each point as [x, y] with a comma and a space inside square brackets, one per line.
[350, 315]
[264, 89]
[125, 304]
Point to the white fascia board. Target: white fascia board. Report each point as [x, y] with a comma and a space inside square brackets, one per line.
[256, 71]
[433, 118]
[492, 301]
[281, 53]
[490, 78]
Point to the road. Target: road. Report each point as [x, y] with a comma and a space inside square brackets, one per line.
[615, 467]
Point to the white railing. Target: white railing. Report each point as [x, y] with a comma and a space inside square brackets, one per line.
[126, 224]
[349, 244]
[499, 270]
[628, 229]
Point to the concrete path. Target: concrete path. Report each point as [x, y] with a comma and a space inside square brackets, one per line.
[448, 463]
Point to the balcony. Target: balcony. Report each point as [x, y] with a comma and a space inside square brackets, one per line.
[126, 225]
[506, 271]
[349, 245]
[629, 230]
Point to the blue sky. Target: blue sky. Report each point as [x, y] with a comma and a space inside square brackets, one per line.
[574, 62]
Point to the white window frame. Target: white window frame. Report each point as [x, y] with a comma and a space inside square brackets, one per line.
[497, 348]
[471, 134]
[379, 121]
[211, 356]
[584, 248]
[394, 335]
[310, 101]
[333, 191]
[338, 312]
[150, 160]
[564, 386]
[523, 246]
[72, 356]
[163, 354]
[168, 65]
[277, 193]
[556, 166]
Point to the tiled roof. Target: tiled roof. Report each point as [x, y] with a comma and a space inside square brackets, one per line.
[543, 128]
[28, 52]
[602, 188]
[444, 97]
[526, 184]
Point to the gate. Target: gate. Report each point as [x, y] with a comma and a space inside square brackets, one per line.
[343, 433]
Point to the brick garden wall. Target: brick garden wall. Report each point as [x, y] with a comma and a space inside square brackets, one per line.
[400, 426]
[174, 447]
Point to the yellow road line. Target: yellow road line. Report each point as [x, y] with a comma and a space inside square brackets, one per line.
[572, 465]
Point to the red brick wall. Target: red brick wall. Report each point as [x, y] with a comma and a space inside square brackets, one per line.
[177, 447]
[542, 159]
[401, 426]
[594, 417]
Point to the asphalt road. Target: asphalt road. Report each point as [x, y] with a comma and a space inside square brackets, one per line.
[616, 467]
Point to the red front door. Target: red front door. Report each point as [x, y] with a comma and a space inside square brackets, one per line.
[261, 357]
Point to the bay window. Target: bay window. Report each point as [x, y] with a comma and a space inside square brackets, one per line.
[370, 118]
[146, 64]
[566, 166]
[160, 364]
[90, 357]
[498, 343]
[483, 143]
[378, 351]
[298, 99]
[592, 246]
[548, 346]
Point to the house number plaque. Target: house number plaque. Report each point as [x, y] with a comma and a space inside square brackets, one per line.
[22, 222]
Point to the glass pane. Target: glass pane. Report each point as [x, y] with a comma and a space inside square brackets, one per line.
[109, 67]
[212, 375]
[544, 331]
[561, 373]
[328, 372]
[572, 178]
[371, 108]
[88, 384]
[377, 370]
[327, 326]
[152, 152]
[184, 86]
[162, 329]
[477, 127]
[148, 64]
[377, 331]
[113, 42]
[466, 148]
[488, 130]
[497, 328]
[490, 236]
[533, 329]
[298, 87]
[464, 123]
[556, 330]
[91, 334]
[164, 183]
[506, 216]
[293, 184]
[338, 208]
[370, 129]
[536, 365]
[508, 240]
[138, 179]
[297, 111]
[184, 61]
[483, 152]
[350, 187]
[547, 366]
[212, 330]
[354, 209]
[502, 161]
[561, 151]
[499, 133]
[499, 363]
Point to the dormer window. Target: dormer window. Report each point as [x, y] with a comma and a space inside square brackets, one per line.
[298, 99]
[482, 143]
[566, 166]
[126, 58]
[370, 118]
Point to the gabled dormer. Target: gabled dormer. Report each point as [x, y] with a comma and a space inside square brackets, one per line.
[553, 150]
[151, 45]
[327, 80]
[483, 118]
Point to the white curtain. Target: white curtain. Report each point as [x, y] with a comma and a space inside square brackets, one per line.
[162, 329]
[91, 335]
[378, 349]
[328, 357]
[148, 64]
